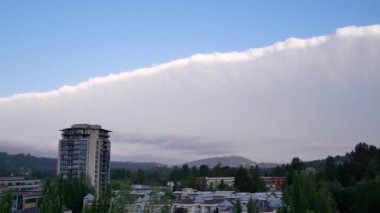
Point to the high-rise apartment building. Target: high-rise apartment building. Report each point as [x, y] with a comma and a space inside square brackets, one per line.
[84, 152]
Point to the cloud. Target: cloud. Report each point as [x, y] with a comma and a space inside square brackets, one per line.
[268, 103]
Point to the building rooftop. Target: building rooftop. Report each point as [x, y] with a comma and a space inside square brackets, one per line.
[86, 126]
[11, 178]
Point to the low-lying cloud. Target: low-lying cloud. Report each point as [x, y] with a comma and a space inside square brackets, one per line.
[300, 97]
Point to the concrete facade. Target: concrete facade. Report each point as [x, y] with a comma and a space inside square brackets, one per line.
[84, 152]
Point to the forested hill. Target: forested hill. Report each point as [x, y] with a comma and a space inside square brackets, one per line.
[134, 166]
[25, 164]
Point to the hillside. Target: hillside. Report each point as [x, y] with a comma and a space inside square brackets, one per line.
[231, 161]
[134, 166]
[24, 164]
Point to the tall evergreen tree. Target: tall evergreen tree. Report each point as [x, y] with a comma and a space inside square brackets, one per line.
[122, 197]
[6, 202]
[204, 171]
[368, 194]
[324, 203]
[250, 206]
[297, 164]
[242, 181]
[52, 200]
[238, 208]
[257, 184]
[304, 195]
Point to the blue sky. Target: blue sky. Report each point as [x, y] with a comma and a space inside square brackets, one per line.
[47, 44]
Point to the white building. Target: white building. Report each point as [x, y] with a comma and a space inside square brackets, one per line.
[84, 152]
[216, 181]
[25, 192]
[19, 184]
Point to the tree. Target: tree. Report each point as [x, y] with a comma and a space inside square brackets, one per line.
[140, 176]
[368, 193]
[323, 200]
[73, 190]
[257, 184]
[122, 196]
[175, 186]
[242, 182]
[238, 208]
[176, 174]
[154, 200]
[251, 206]
[222, 185]
[185, 171]
[297, 164]
[330, 168]
[52, 200]
[166, 203]
[6, 202]
[204, 171]
[304, 195]
[217, 171]
[103, 202]
[61, 192]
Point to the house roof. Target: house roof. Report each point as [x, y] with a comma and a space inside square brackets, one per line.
[184, 201]
[146, 198]
[243, 207]
[89, 197]
[138, 200]
[226, 204]
[213, 201]
[275, 203]
[199, 199]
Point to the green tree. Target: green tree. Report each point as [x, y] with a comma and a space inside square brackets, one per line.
[185, 171]
[323, 200]
[140, 176]
[6, 202]
[175, 186]
[257, 184]
[165, 200]
[304, 195]
[217, 171]
[222, 185]
[251, 206]
[297, 164]
[330, 168]
[154, 200]
[73, 190]
[102, 203]
[176, 174]
[368, 194]
[64, 192]
[242, 181]
[52, 200]
[204, 171]
[238, 208]
[121, 197]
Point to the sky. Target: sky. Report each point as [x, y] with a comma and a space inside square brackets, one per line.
[178, 81]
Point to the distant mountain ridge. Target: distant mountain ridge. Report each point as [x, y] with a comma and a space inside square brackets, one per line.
[231, 161]
[136, 165]
[24, 164]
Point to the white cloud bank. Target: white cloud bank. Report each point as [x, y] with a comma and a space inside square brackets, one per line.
[307, 98]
